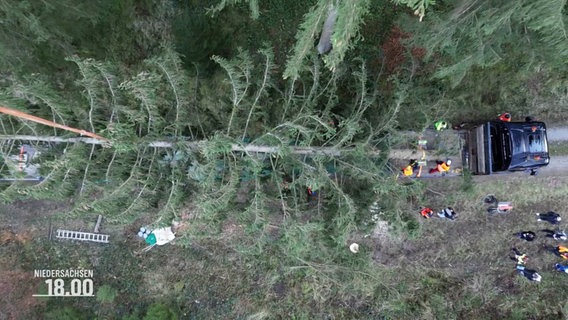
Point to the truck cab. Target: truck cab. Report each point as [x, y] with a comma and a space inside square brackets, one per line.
[499, 146]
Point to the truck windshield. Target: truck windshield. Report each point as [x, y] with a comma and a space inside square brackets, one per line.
[537, 143]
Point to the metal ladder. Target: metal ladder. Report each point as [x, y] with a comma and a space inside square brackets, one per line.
[82, 236]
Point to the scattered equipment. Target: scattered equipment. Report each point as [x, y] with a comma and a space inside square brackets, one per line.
[496, 206]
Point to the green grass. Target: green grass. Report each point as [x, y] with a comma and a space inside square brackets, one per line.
[455, 270]
[474, 249]
[450, 270]
[558, 148]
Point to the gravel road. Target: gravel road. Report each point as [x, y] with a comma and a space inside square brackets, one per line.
[558, 164]
[557, 134]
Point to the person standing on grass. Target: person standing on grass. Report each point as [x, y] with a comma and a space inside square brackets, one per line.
[550, 216]
[560, 251]
[556, 235]
[520, 258]
[448, 213]
[526, 235]
[530, 274]
[561, 267]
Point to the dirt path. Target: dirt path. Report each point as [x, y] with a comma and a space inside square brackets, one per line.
[557, 134]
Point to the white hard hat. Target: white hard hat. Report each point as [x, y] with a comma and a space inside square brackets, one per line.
[354, 247]
[449, 161]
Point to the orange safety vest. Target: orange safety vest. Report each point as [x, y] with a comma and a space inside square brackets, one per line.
[426, 212]
[562, 249]
[407, 171]
[505, 117]
[443, 167]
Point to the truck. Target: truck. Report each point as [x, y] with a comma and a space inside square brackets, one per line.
[499, 146]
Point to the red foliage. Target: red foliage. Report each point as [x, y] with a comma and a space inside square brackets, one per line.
[395, 51]
[418, 52]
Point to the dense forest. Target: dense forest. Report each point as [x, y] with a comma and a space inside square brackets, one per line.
[215, 82]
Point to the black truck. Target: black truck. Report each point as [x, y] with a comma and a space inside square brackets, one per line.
[500, 146]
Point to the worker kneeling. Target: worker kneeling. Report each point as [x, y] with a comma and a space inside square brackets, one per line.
[441, 167]
[426, 212]
[410, 168]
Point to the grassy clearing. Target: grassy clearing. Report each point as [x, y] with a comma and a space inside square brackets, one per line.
[445, 270]
[558, 148]
[470, 256]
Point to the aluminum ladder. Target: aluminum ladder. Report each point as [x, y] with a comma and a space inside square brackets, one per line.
[82, 236]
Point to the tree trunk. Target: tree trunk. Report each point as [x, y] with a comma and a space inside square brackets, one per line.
[250, 148]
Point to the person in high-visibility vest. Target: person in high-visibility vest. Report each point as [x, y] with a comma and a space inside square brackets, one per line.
[440, 125]
[505, 117]
[520, 258]
[409, 169]
[561, 251]
[426, 212]
[441, 166]
[561, 268]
